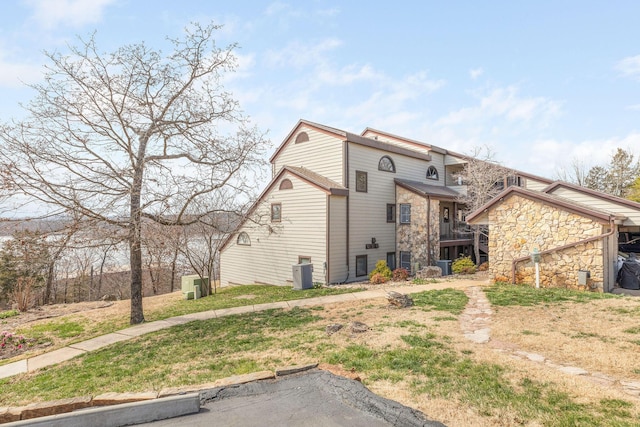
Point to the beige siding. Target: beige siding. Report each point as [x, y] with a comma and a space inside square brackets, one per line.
[633, 215]
[367, 211]
[275, 247]
[322, 154]
[398, 142]
[338, 239]
[535, 185]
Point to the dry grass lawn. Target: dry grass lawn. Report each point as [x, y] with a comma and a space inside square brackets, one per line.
[600, 336]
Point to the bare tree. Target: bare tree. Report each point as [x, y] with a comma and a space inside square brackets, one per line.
[133, 134]
[484, 178]
[204, 239]
[576, 174]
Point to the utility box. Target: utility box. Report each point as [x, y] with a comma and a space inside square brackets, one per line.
[445, 266]
[192, 286]
[583, 277]
[302, 276]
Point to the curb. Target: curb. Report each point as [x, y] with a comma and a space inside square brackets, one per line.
[120, 409]
[121, 415]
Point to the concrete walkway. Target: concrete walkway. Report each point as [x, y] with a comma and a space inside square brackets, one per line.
[63, 354]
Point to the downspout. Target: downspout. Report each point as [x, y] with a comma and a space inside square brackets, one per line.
[327, 237]
[346, 184]
[429, 230]
[563, 247]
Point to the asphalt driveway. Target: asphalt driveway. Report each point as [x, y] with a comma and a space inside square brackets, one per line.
[314, 398]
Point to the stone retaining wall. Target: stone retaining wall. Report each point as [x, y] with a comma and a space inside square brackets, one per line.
[519, 225]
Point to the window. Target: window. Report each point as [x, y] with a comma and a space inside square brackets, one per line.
[302, 137]
[302, 259]
[391, 212]
[361, 265]
[432, 173]
[386, 164]
[514, 181]
[276, 212]
[391, 260]
[405, 260]
[445, 214]
[243, 239]
[361, 181]
[286, 184]
[405, 214]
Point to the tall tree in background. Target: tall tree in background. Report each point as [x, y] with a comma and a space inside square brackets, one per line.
[617, 178]
[132, 134]
[634, 190]
[484, 178]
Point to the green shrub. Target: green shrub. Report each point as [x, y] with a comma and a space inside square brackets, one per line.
[463, 265]
[383, 269]
[9, 313]
[400, 274]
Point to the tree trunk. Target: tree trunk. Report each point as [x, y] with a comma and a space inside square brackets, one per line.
[135, 238]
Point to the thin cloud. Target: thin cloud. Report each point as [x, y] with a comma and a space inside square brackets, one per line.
[474, 73]
[14, 74]
[629, 66]
[71, 13]
[503, 103]
[300, 55]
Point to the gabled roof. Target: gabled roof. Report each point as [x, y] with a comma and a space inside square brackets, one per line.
[407, 140]
[351, 137]
[437, 191]
[599, 215]
[316, 180]
[597, 194]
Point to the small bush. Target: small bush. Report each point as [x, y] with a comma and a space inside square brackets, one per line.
[378, 279]
[383, 269]
[9, 313]
[400, 274]
[463, 265]
[484, 266]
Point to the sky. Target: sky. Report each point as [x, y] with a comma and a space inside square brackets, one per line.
[542, 84]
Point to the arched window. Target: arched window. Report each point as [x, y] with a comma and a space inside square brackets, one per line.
[386, 164]
[432, 173]
[286, 184]
[302, 137]
[243, 239]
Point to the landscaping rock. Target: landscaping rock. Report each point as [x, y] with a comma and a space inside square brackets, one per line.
[43, 409]
[333, 328]
[399, 300]
[429, 272]
[8, 415]
[358, 327]
[288, 370]
[118, 398]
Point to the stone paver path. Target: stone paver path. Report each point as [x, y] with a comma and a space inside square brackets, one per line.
[475, 322]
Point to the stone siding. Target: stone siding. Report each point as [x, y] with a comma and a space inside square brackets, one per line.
[413, 237]
[519, 225]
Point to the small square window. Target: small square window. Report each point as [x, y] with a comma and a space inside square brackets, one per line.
[361, 181]
[405, 213]
[361, 265]
[276, 212]
[391, 212]
[302, 259]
